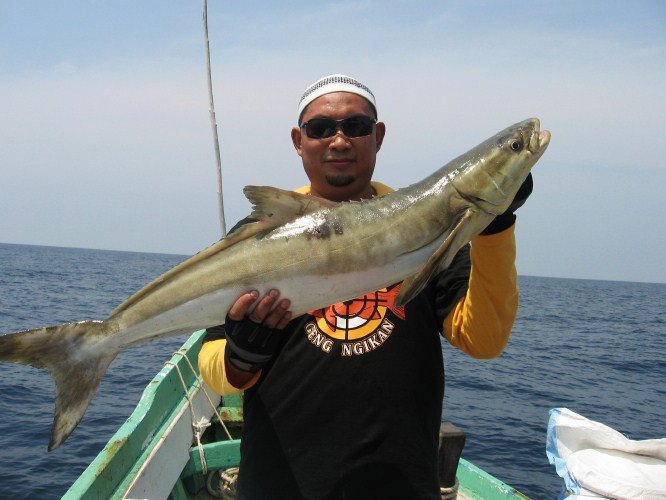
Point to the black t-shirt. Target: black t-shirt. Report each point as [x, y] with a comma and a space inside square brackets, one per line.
[351, 405]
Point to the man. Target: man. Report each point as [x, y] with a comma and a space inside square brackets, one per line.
[346, 402]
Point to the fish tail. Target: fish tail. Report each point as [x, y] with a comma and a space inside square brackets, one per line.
[71, 354]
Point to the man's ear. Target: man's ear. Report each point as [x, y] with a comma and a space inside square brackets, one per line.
[380, 131]
[296, 139]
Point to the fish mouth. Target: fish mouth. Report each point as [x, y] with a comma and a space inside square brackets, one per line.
[539, 139]
[544, 139]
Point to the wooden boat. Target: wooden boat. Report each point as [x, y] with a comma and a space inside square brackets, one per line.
[152, 454]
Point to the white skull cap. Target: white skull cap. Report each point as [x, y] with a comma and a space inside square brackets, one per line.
[335, 83]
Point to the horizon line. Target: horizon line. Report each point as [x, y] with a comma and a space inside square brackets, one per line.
[190, 255]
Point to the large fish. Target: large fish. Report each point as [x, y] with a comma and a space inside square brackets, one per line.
[316, 252]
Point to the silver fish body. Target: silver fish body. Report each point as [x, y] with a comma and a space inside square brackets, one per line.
[314, 251]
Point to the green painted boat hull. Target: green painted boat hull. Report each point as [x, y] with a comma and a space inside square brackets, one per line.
[151, 455]
[122, 463]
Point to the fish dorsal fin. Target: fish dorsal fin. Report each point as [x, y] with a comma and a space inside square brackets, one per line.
[280, 206]
[438, 261]
[242, 233]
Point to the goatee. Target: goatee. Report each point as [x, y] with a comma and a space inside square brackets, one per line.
[340, 180]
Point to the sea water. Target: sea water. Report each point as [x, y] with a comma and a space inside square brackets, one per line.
[596, 347]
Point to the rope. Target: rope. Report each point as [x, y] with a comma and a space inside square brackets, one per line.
[202, 424]
[197, 376]
[197, 427]
[449, 493]
[226, 486]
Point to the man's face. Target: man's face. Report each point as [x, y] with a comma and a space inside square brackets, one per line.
[339, 167]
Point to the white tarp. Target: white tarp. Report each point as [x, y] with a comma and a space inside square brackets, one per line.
[597, 461]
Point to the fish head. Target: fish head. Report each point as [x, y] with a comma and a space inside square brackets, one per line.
[491, 174]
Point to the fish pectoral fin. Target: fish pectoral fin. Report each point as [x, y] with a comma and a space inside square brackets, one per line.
[69, 353]
[279, 206]
[440, 260]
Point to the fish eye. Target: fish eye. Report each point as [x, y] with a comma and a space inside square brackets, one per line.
[516, 145]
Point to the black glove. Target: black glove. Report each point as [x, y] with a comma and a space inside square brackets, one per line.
[250, 345]
[506, 220]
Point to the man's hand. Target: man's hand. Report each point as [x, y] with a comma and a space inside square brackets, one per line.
[507, 219]
[253, 338]
[275, 318]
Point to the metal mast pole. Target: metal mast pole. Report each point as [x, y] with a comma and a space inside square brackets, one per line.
[213, 121]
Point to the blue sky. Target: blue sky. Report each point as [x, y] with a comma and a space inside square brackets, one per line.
[105, 140]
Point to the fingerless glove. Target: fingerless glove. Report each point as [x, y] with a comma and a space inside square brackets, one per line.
[250, 345]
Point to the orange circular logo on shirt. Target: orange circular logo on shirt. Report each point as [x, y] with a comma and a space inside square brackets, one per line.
[356, 319]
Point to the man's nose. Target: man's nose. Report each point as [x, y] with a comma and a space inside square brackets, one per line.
[340, 140]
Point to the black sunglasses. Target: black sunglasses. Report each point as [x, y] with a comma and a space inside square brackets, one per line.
[354, 126]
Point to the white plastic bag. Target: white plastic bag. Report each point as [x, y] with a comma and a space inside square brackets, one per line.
[597, 461]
